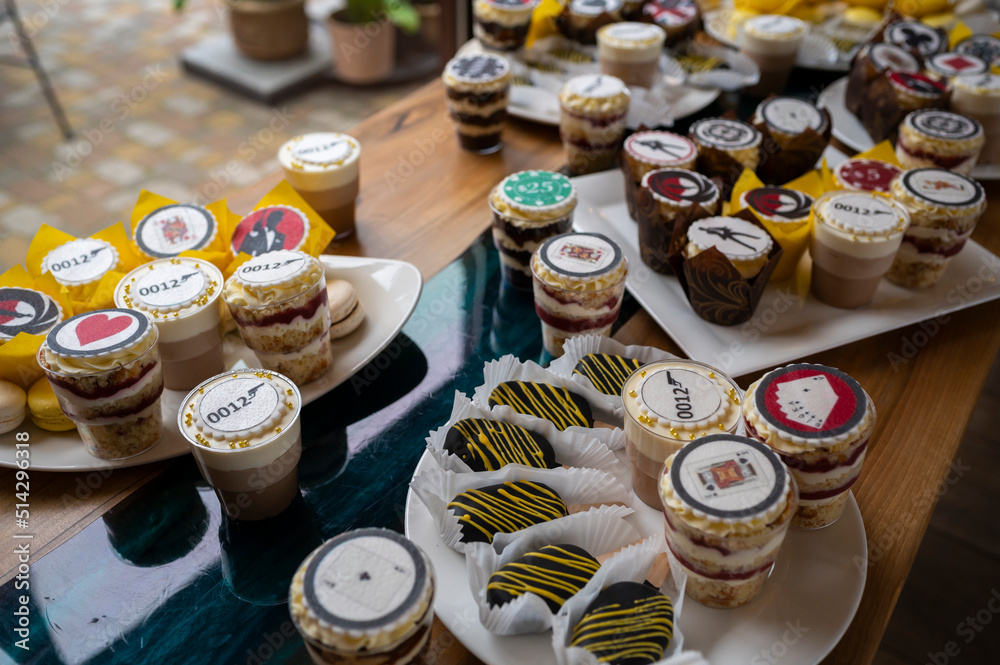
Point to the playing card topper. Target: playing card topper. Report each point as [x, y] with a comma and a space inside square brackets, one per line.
[713, 286]
[29, 306]
[82, 272]
[162, 227]
[881, 151]
[280, 220]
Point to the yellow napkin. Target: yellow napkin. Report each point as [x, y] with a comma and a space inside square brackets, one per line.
[543, 21]
[767, 6]
[18, 362]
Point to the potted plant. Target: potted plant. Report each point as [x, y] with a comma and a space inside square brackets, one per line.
[364, 37]
[267, 29]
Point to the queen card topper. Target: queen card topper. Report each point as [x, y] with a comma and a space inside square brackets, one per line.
[269, 229]
[26, 311]
[810, 401]
[365, 580]
[728, 477]
[175, 228]
[97, 333]
[580, 255]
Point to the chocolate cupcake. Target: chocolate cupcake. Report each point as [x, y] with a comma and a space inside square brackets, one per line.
[919, 38]
[665, 194]
[725, 148]
[647, 151]
[872, 62]
[796, 134]
[889, 98]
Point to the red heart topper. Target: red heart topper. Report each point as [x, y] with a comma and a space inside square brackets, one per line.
[100, 326]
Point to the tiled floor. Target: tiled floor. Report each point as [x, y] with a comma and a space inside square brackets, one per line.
[139, 120]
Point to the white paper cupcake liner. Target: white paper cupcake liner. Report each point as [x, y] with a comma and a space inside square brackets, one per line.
[437, 487]
[578, 347]
[510, 368]
[594, 532]
[574, 449]
[570, 613]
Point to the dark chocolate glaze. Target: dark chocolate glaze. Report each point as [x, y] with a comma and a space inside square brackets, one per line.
[563, 407]
[627, 624]
[554, 573]
[487, 445]
[504, 508]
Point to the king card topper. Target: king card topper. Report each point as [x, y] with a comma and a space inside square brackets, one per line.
[162, 227]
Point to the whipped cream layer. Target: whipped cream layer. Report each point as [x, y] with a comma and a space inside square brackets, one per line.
[320, 161]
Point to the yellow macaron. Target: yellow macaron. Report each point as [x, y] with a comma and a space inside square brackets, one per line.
[12, 402]
[44, 408]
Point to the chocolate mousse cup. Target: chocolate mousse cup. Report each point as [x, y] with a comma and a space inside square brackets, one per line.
[324, 168]
[528, 208]
[727, 504]
[978, 96]
[579, 281]
[854, 242]
[280, 304]
[944, 208]
[478, 91]
[771, 41]
[502, 24]
[673, 191]
[341, 620]
[631, 52]
[819, 422]
[669, 404]
[104, 367]
[243, 430]
[181, 298]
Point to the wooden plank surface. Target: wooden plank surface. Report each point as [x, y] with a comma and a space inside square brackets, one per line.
[424, 201]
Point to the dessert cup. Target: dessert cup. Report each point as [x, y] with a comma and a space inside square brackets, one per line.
[727, 504]
[581, 19]
[646, 151]
[677, 18]
[929, 138]
[854, 242]
[772, 41]
[819, 422]
[631, 52]
[324, 168]
[668, 404]
[672, 191]
[478, 91]
[334, 606]
[280, 304]
[592, 121]
[528, 208]
[104, 367]
[726, 147]
[783, 211]
[865, 175]
[180, 296]
[579, 281]
[502, 24]
[949, 65]
[944, 208]
[244, 432]
[978, 97]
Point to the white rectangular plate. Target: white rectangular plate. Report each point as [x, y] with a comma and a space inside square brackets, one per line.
[782, 329]
[387, 289]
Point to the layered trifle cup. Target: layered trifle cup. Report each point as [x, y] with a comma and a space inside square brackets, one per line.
[727, 503]
[819, 421]
[855, 238]
[324, 168]
[978, 96]
[529, 207]
[181, 298]
[931, 137]
[280, 305]
[944, 208]
[502, 24]
[592, 121]
[365, 597]
[104, 367]
[668, 404]
[478, 92]
[579, 281]
[244, 432]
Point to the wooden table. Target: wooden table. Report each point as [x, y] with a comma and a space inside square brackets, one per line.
[423, 200]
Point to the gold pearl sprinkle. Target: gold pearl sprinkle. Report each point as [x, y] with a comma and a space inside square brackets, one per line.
[127, 288]
[277, 430]
[631, 393]
[703, 434]
[642, 373]
[736, 400]
[691, 436]
[200, 390]
[674, 433]
[711, 375]
[722, 427]
[289, 405]
[289, 391]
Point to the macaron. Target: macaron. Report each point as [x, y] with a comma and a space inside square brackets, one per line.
[44, 408]
[12, 402]
[346, 312]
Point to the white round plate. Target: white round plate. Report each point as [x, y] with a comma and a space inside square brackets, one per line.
[803, 611]
[387, 288]
[816, 51]
[848, 129]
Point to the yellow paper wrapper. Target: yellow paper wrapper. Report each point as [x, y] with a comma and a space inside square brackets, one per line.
[216, 252]
[85, 297]
[793, 238]
[18, 360]
[543, 21]
[810, 183]
[767, 6]
[320, 233]
[921, 8]
[883, 151]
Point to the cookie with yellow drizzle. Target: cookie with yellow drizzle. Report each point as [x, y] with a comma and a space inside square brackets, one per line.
[627, 624]
[554, 573]
[505, 508]
[606, 371]
[564, 408]
[487, 445]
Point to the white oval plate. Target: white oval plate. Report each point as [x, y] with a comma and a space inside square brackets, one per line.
[388, 290]
[816, 51]
[848, 129]
[803, 611]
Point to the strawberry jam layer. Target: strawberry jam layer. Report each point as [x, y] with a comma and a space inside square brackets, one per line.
[819, 466]
[285, 316]
[576, 325]
[724, 576]
[826, 494]
[924, 246]
[940, 160]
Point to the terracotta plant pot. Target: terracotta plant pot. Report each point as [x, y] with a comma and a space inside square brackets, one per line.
[269, 29]
[362, 52]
